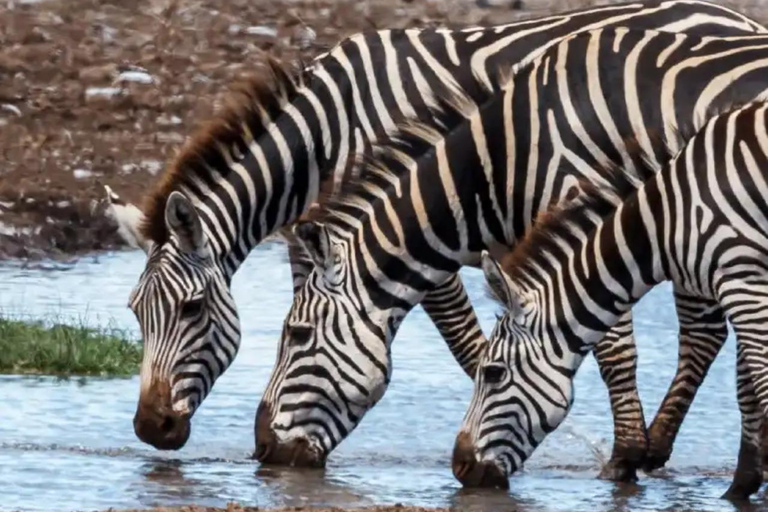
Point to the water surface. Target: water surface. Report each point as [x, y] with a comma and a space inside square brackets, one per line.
[69, 445]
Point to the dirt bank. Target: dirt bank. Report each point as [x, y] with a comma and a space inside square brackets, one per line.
[238, 508]
[104, 92]
[96, 92]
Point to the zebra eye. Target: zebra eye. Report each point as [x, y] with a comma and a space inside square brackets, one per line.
[299, 334]
[192, 308]
[493, 374]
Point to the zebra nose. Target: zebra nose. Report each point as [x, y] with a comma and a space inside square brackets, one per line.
[472, 472]
[157, 424]
[163, 430]
[269, 450]
[264, 436]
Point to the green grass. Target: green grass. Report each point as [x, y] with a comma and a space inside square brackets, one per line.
[63, 350]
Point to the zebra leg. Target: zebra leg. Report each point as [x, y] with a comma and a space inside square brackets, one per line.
[748, 475]
[617, 358]
[703, 331]
[451, 311]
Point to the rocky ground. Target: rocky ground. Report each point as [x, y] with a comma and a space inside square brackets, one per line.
[96, 92]
[238, 508]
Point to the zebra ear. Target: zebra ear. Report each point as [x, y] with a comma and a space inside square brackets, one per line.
[500, 283]
[128, 218]
[183, 221]
[315, 239]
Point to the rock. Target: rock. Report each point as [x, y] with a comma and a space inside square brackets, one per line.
[138, 77]
[102, 94]
[13, 109]
[262, 31]
[170, 138]
[165, 120]
[81, 174]
[152, 166]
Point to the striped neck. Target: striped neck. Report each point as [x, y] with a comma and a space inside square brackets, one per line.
[270, 180]
[579, 277]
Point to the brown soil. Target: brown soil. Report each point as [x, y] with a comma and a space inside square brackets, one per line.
[63, 136]
[237, 508]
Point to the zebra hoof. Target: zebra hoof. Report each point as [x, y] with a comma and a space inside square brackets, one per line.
[618, 471]
[740, 492]
[655, 461]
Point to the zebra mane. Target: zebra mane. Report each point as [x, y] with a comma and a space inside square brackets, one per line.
[250, 104]
[555, 224]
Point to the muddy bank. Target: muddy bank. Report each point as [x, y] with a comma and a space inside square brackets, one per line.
[96, 92]
[105, 92]
[238, 508]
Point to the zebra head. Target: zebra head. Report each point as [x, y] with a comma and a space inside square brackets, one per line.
[520, 395]
[333, 362]
[188, 323]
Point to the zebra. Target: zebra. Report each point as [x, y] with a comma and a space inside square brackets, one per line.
[701, 222]
[280, 146]
[433, 199]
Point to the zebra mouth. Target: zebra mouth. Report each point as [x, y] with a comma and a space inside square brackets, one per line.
[263, 450]
[306, 454]
[298, 452]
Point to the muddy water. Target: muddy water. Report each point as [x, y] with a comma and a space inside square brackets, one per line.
[67, 445]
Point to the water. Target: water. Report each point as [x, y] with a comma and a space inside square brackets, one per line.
[69, 445]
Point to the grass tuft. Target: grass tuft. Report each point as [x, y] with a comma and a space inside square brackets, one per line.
[64, 350]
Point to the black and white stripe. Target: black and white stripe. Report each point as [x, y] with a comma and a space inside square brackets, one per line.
[701, 222]
[265, 169]
[437, 199]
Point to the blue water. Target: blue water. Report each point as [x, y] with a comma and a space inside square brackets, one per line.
[69, 445]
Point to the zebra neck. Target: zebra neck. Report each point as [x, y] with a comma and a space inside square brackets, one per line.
[586, 280]
[263, 183]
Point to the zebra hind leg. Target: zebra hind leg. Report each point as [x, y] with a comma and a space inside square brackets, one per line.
[448, 306]
[703, 331]
[748, 476]
[617, 358]
[745, 302]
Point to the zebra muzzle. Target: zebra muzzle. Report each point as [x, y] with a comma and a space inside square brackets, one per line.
[297, 452]
[472, 472]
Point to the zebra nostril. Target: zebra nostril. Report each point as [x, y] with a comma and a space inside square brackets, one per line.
[167, 424]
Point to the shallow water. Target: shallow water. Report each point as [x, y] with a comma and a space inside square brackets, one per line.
[69, 445]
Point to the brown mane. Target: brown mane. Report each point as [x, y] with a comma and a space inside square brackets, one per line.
[555, 222]
[252, 102]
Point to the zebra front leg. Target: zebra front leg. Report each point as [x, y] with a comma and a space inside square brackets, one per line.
[703, 331]
[617, 358]
[451, 311]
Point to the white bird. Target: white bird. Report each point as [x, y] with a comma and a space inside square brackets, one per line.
[128, 217]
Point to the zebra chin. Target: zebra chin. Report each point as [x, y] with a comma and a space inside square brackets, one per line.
[157, 423]
[296, 452]
[472, 472]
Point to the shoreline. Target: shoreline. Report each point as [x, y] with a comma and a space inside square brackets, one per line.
[233, 507]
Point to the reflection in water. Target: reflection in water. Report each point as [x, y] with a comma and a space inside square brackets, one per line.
[69, 445]
[301, 487]
[490, 500]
